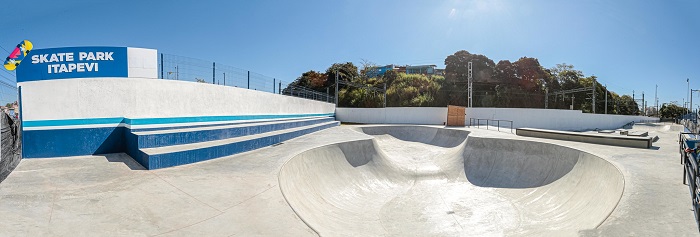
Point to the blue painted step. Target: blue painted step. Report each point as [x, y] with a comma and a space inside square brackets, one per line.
[162, 157]
[171, 137]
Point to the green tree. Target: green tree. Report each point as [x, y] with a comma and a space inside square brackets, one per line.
[346, 71]
[457, 73]
[313, 80]
[414, 90]
[672, 111]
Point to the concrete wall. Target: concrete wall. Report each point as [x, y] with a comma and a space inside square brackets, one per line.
[393, 115]
[71, 117]
[572, 120]
[81, 112]
[152, 98]
[531, 118]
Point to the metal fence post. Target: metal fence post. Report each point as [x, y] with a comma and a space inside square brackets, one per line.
[248, 79]
[213, 73]
[384, 95]
[161, 65]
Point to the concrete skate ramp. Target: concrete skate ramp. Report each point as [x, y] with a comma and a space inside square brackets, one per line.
[442, 182]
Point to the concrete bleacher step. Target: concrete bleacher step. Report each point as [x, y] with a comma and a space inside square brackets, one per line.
[168, 156]
[178, 136]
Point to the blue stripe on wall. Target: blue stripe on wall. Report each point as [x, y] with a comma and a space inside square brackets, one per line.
[72, 142]
[150, 121]
[68, 122]
[153, 121]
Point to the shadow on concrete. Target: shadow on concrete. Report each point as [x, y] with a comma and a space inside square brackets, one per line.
[446, 138]
[126, 159]
[503, 163]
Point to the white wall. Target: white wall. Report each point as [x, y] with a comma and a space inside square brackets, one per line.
[142, 62]
[152, 98]
[554, 118]
[531, 118]
[393, 115]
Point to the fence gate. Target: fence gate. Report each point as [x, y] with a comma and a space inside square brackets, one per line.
[455, 115]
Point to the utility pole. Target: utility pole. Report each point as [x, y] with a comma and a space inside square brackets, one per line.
[644, 104]
[687, 98]
[593, 95]
[336, 88]
[384, 95]
[546, 97]
[469, 84]
[572, 101]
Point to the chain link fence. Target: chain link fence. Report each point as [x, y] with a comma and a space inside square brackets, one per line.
[10, 145]
[173, 67]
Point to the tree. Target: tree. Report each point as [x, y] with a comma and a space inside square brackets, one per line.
[453, 91]
[413, 90]
[313, 80]
[672, 111]
[457, 68]
[627, 106]
[346, 71]
[530, 74]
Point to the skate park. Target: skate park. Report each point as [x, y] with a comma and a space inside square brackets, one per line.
[139, 156]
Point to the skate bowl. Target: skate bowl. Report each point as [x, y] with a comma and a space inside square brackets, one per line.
[423, 181]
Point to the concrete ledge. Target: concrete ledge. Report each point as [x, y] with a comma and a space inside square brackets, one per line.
[604, 139]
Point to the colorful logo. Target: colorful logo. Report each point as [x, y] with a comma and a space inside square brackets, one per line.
[17, 55]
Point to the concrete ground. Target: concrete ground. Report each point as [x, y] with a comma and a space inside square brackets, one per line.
[242, 194]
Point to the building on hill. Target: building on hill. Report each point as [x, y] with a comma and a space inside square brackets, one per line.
[408, 69]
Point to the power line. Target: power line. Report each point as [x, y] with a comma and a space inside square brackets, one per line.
[3, 48]
[9, 73]
[8, 80]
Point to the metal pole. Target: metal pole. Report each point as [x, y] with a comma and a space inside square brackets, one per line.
[688, 81]
[328, 93]
[594, 82]
[384, 95]
[572, 101]
[279, 87]
[248, 79]
[213, 73]
[161, 66]
[644, 107]
[336, 88]
[656, 99]
[606, 99]
[546, 97]
[273, 85]
[469, 84]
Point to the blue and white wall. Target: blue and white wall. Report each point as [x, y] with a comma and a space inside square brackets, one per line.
[81, 113]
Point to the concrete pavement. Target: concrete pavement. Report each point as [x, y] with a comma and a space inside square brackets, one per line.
[400, 184]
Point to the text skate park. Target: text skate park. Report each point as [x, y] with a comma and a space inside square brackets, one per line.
[157, 144]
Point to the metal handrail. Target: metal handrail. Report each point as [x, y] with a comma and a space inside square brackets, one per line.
[689, 160]
[488, 122]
